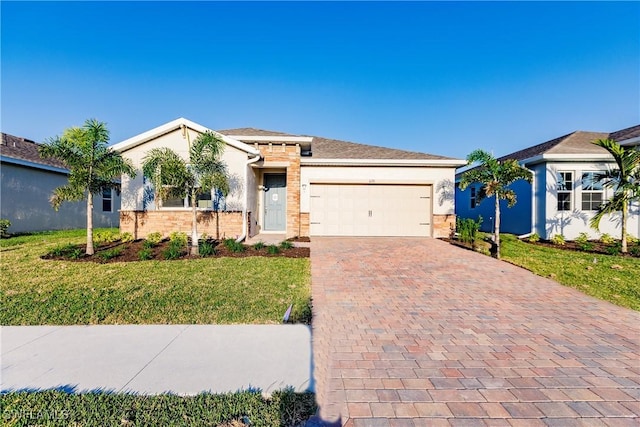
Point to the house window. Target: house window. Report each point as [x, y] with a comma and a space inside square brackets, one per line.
[474, 197]
[107, 200]
[592, 191]
[564, 188]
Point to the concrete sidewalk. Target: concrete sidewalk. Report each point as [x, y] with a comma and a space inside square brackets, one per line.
[154, 359]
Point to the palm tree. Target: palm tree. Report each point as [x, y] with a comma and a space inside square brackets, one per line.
[625, 181]
[173, 176]
[495, 177]
[93, 166]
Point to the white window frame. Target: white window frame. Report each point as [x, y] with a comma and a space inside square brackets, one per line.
[592, 187]
[561, 188]
[108, 198]
[473, 197]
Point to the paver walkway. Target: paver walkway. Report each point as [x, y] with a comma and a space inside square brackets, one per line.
[416, 332]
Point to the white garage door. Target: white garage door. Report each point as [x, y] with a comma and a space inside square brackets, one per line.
[370, 210]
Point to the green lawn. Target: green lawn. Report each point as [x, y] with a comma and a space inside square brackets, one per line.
[619, 285]
[194, 291]
[55, 408]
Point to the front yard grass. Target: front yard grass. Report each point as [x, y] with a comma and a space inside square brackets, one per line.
[256, 290]
[608, 277]
[57, 408]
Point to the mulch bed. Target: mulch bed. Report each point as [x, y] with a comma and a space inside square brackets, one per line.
[130, 252]
[597, 247]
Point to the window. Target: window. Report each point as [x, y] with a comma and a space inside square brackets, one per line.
[474, 197]
[564, 188]
[107, 200]
[592, 191]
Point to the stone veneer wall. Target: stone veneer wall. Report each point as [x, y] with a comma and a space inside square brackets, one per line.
[304, 224]
[289, 154]
[141, 223]
[443, 225]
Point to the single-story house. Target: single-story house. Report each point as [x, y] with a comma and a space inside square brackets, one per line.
[563, 196]
[28, 182]
[297, 186]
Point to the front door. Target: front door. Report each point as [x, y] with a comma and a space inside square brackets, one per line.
[275, 202]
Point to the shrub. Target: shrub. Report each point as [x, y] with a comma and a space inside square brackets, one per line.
[614, 249]
[558, 239]
[273, 249]
[110, 253]
[145, 254]
[207, 248]
[179, 238]
[63, 250]
[607, 239]
[631, 239]
[76, 253]
[285, 244]
[582, 238]
[107, 236]
[126, 237]
[467, 229]
[233, 246]
[174, 250]
[534, 238]
[586, 246]
[4, 225]
[635, 250]
[154, 238]
[259, 245]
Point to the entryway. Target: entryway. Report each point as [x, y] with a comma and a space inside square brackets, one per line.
[275, 202]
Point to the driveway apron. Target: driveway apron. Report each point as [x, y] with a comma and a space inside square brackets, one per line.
[416, 332]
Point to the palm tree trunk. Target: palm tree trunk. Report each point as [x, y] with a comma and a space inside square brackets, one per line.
[496, 230]
[623, 239]
[194, 224]
[90, 250]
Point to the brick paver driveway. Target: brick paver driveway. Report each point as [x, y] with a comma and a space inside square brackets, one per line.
[415, 332]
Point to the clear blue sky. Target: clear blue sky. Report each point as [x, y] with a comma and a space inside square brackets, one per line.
[442, 78]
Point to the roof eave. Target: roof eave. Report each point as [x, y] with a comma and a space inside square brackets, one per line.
[35, 165]
[382, 162]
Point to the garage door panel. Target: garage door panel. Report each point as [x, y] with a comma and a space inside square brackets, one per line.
[370, 210]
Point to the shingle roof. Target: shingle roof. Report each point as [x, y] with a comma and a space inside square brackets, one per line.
[624, 134]
[578, 142]
[326, 148]
[25, 149]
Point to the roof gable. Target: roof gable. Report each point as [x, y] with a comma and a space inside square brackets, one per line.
[578, 142]
[171, 126]
[23, 149]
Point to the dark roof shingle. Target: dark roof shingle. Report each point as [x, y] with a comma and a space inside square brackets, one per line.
[624, 134]
[326, 148]
[25, 149]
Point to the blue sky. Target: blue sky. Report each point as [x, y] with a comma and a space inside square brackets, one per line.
[443, 78]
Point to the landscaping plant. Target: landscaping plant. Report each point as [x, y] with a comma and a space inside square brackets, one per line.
[174, 176]
[468, 229]
[625, 182]
[93, 166]
[495, 176]
[4, 226]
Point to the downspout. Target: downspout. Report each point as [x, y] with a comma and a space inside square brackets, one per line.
[246, 197]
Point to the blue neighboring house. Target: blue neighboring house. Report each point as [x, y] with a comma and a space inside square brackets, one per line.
[563, 195]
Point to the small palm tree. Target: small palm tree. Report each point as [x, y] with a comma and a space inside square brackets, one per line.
[93, 166]
[625, 181]
[173, 176]
[495, 177]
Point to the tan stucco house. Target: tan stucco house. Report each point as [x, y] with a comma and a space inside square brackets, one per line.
[297, 186]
